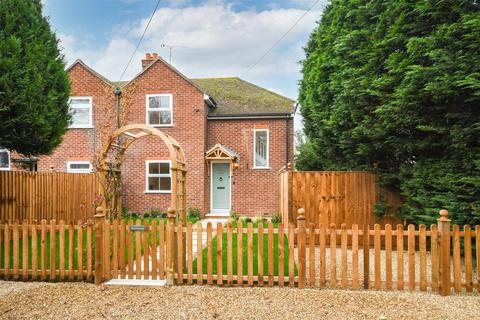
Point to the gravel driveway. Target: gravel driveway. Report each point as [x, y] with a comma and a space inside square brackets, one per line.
[87, 301]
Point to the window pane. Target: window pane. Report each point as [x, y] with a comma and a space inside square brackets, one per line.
[154, 102]
[261, 149]
[164, 102]
[79, 166]
[165, 117]
[153, 183]
[153, 117]
[165, 183]
[79, 102]
[154, 168]
[165, 168]
[4, 160]
[80, 116]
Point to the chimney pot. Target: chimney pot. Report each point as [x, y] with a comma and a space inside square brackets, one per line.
[148, 56]
[155, 55]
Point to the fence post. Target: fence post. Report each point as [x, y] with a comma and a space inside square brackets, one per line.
[99, 222]
[366, 256]
[290, 193]
[301, 249]
[171, 246]
[444, 252]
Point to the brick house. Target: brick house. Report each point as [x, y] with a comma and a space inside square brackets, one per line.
[236, 137]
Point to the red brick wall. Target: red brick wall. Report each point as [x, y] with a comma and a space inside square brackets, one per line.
[84, 144]
[254, 191]
[189, 125]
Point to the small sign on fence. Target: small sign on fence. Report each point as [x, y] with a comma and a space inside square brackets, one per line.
[137, 228]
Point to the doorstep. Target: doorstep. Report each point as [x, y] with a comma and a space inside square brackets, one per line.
[217, 215]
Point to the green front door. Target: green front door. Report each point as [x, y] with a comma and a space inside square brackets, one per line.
[221, 188]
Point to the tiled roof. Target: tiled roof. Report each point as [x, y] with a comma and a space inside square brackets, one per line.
[235, 96]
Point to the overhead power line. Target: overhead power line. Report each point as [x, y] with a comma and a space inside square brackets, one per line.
[140, 40]
[280, 39]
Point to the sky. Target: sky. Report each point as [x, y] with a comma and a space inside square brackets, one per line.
[213, 38]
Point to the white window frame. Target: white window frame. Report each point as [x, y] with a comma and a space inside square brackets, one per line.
[90, 107]
[159, 175]
[255, 148]
[9, 160]
[89, 170]
[147, 106]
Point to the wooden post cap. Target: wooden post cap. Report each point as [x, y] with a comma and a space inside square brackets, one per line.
[99, 212]
[301, 214]
[444, 215]
[171, 212]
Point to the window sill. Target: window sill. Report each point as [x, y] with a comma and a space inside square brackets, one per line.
[161, 125]
[157, 192]
[261, 168]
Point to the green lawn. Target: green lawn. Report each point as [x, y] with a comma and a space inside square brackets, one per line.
[244, 253]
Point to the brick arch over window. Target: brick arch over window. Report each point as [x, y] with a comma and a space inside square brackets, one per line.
[110, 160]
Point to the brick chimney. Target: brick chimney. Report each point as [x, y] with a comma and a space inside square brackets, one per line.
[149, 59]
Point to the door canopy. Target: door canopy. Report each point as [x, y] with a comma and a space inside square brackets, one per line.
[111, 157]
[221, 152]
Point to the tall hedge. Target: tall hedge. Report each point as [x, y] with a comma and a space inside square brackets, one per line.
[34, 86]
[393, 87]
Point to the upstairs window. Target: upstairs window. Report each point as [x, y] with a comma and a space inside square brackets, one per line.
[80, 109]
[79, 167]
[158, 176]
[160, 110]
[260, 147]
[4, 159]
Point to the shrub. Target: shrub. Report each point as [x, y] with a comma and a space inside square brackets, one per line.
[133, 215]
[124, 211]
[194, 213]
[153, 212]
[260, 220]
[246, 219]
[276, 218]
[234, 216]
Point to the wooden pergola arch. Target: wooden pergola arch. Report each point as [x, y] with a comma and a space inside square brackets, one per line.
[109, 165]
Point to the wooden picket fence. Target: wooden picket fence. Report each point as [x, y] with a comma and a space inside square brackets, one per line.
[46, 195]
[47, 251]
[388, 258]
[438, 258]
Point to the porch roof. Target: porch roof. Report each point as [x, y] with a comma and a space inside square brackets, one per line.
[221, 152]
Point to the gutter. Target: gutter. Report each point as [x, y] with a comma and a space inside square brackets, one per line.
[278, 115]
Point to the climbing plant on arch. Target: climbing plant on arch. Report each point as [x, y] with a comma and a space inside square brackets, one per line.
[110, 161]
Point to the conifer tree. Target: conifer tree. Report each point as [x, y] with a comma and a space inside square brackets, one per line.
[34, 86]
[394, 87]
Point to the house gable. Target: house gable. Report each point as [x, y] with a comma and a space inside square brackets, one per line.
[80, 64]
[152, 67]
